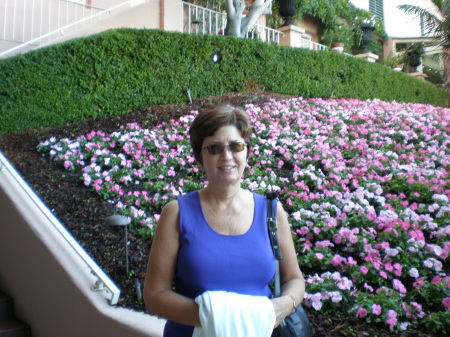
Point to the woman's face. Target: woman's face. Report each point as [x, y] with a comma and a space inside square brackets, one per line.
[227, 166]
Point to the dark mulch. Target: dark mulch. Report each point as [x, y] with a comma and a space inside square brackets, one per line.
[83, 213]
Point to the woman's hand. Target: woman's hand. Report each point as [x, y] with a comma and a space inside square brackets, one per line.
[292, 281]
[283, 307]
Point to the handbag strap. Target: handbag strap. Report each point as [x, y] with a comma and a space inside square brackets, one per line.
[271, 199]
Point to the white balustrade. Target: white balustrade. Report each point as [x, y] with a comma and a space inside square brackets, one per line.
[200, 20]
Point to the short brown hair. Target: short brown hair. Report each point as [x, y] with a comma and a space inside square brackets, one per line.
[208, 121]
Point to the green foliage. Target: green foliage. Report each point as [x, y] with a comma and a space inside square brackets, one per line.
[338, 32]
[393, 59]
[414, 51]
[332, 15]
[118, 70]
[433, 75]
[327, 11]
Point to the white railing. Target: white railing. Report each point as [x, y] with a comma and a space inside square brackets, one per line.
[31, 23]
[103, 281]
[201, 20]
[307, 43]
[265, 34]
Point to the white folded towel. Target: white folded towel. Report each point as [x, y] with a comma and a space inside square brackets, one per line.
[225, 314]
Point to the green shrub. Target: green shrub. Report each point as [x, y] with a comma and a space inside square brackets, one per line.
[118, 70]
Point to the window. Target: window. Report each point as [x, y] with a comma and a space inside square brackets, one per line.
[376, 7]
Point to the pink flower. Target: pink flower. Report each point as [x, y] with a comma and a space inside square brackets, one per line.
[171, 172]
[68, 164]
[446, 303]
[398, 285]
[376, 265]
[337, 260]
[344, 284]
[361, 312]
[376, 309]
[436, 279]
[368, 287]
[417, 235]
[392, 319]
[364, 269]
[388, 267]
[351, 260]
[319, 256]
[418, 283]
[405, 225]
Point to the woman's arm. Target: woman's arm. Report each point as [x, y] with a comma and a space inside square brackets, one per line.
[291, 277]
[159, 297]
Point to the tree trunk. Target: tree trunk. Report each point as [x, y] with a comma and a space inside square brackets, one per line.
[239, 26]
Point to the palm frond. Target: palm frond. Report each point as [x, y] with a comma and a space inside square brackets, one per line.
[438, 26]
[431, 22]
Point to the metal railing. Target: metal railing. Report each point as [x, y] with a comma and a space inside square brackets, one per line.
[103, 282]
[31, 23]
[201, 20]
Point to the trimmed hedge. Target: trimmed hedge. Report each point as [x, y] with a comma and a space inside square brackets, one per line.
[118, 70]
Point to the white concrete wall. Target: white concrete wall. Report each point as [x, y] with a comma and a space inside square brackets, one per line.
[143, 16]
[31, 19]
[49, 282]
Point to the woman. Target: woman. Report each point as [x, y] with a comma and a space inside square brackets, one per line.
[217, 238]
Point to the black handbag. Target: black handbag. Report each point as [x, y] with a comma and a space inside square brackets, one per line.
[297, 324]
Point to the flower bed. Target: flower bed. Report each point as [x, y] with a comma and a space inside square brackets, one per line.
[366, 186]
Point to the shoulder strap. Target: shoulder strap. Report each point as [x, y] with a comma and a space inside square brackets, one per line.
[272, 227]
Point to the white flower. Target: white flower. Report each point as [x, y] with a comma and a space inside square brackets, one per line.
[404, 326]
[433, 263]
[336, 296]
[413, 272]
[440, 197]
[391, 251]
[435, 249]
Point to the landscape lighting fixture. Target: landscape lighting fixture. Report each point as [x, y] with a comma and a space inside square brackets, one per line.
[120, 220]
[216, 57]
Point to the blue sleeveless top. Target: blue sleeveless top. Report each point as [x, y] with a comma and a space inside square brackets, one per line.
[207, 260]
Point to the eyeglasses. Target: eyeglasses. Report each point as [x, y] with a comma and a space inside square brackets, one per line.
[219, 148]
